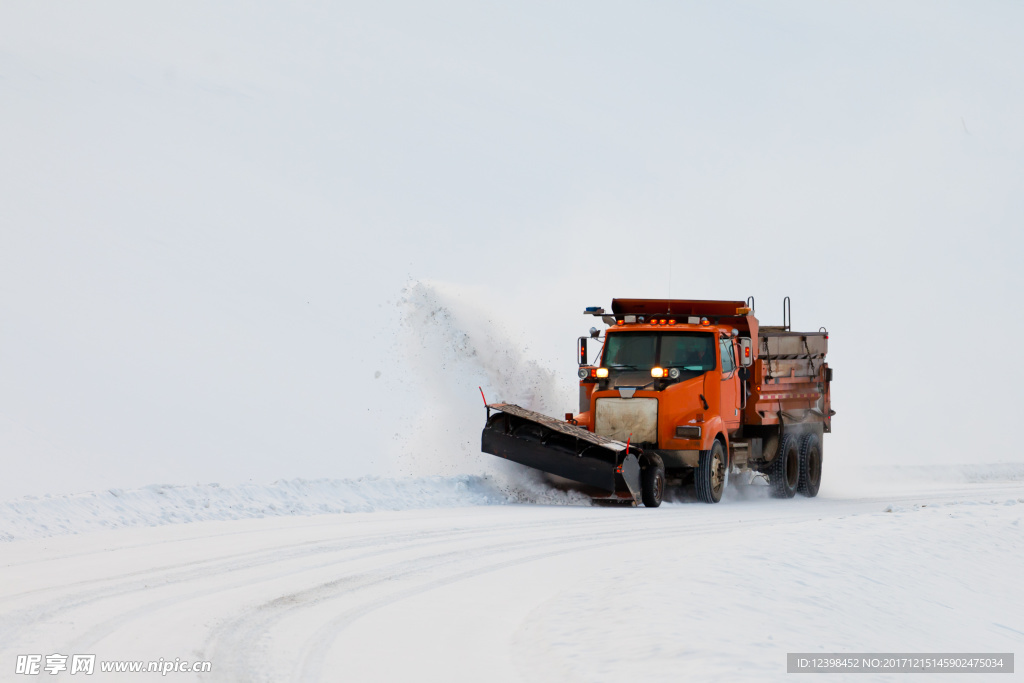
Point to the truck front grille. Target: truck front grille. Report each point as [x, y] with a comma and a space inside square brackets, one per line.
[618, 418]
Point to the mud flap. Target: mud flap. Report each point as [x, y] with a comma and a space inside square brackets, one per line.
[560, 448]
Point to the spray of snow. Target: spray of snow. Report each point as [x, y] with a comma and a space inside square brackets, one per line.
[452, 346]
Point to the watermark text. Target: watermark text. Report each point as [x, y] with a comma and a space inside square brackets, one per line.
[41, 665]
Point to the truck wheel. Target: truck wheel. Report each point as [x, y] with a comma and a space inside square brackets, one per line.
[711, 474]
[810, 465]
[784, 470]
[652, 486]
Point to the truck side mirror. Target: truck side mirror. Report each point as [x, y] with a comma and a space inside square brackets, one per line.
[583, 350]
[746, 352]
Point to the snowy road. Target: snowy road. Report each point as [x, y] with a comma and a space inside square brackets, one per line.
[523, 592]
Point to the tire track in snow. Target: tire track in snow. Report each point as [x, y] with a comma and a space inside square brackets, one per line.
[229, 571]
[65, 598]
[238, 639]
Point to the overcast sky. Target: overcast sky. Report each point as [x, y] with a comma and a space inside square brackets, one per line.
[209, 211]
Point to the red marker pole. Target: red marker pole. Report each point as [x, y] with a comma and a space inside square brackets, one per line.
[482, 396]
[618, 470]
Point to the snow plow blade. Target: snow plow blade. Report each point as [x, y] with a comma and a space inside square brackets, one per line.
[561, 449]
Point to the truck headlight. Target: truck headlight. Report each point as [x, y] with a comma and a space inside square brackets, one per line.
[674, 373]
[602, 372]
[657, 372]
[583, 373]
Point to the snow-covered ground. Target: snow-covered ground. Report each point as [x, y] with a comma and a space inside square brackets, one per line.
[524, 592]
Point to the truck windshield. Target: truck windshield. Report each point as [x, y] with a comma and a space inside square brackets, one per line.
[688, 351]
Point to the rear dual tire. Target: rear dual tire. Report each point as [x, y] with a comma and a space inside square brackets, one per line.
[784, 469]
[810, 465]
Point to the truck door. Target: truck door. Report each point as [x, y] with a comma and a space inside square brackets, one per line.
[730, 385]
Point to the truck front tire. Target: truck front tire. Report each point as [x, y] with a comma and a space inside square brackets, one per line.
[711, 475]
[784, 470]
[652, 485]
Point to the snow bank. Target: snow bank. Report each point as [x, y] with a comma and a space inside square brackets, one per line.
[848, 479]
[155, 505]
[975, 473]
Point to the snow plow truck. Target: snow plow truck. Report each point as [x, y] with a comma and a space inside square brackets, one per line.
[682, 391]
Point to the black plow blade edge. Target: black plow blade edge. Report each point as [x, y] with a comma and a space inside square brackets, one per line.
[547, 445]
